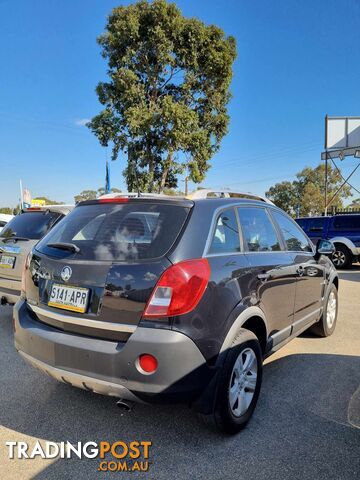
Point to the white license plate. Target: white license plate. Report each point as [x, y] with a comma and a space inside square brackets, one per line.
[69, 298]
[7, 261]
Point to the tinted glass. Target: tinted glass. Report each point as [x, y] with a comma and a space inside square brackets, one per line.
[295, 239]
[348, 222]
[31, 225]
[316, 224]
[301, 222]
[226, 236]
[258, 230]
[118, 232]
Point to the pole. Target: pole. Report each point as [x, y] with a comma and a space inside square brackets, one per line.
[326, 182]
[21, 196]
[186, 185]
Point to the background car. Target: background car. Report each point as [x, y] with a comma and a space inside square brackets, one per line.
[343, 230]
[4, 219]
[17, 238]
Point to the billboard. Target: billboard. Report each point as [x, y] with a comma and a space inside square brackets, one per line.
[342, 132]
[38, 202]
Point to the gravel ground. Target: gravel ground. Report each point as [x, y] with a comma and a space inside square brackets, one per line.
[306, 425]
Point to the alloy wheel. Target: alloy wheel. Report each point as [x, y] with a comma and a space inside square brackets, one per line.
[331, 310]
[338, 258]
[243, 382]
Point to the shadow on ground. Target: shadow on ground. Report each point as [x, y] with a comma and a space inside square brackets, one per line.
[305, 425]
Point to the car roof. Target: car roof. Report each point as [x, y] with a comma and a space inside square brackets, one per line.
[63, 209]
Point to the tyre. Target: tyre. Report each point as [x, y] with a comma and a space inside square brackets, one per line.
[239, 383]
[342, 257]
[327, 323]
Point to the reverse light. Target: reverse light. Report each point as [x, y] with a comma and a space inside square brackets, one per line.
[179, 289]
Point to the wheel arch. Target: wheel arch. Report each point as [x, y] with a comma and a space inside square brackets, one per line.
[252, 319]
[346, 242]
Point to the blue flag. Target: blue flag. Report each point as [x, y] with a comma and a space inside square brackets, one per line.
[107, 179]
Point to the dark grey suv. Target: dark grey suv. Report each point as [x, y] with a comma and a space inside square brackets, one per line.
[159, 299]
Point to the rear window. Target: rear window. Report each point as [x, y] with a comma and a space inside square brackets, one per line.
[118, 232]
[31, 225]
[349, 222]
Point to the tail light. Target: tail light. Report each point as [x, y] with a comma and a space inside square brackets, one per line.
[179, 289]
[23, 275]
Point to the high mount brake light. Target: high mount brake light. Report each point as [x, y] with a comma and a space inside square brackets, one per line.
[113, 200]
[179, 289]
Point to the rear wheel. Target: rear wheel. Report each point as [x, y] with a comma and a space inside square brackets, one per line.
[239, 385]
[342, 257]
[326, 326]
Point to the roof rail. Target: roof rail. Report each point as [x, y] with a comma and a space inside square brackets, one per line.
[209, 193]
[132, 195]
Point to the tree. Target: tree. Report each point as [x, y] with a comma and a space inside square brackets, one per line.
[92, 194]
[355, 203]
[6, 210]
[305, 195]
[165, 101]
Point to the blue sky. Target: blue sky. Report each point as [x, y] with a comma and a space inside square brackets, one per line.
[297, 60]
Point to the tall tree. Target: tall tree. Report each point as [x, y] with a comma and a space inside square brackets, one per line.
[305, 195]
[165, 101]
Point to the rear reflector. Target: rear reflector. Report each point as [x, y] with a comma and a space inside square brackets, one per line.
[147, 363]
[179, 289]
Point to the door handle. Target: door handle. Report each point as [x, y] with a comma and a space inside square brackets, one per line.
[263, 276]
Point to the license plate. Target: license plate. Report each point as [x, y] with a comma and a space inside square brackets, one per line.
[69, 298]
[7, 261]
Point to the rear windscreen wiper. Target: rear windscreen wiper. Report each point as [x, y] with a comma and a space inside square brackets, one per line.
[65, 246]
[7, 239]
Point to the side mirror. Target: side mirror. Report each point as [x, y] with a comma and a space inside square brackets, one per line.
[325, 247]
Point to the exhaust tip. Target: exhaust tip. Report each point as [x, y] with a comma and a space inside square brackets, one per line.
[3, 301]
[123, 405]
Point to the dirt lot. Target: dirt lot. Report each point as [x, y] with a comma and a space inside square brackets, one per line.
[306, 426]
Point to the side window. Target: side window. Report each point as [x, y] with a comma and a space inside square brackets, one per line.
[295, 240]
[347, 222]
[226, 236]
[258, 230]
[316, 224]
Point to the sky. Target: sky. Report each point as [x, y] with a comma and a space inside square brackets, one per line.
[297, 61]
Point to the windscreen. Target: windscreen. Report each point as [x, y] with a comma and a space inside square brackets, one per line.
[117, 232]
[30, 225]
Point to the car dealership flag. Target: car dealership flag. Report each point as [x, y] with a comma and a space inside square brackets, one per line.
[107, 179]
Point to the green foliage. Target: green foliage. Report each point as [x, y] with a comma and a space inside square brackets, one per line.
[306, 193]
[7, 210]
[92, 194]
[165, 101]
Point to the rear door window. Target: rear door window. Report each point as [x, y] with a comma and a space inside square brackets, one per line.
[118, 232]
[226, 235]
[258, 230]
[31, 225]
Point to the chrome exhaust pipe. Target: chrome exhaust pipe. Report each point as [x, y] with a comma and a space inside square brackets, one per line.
[127, 406]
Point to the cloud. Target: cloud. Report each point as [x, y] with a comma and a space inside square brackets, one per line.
[81, 122]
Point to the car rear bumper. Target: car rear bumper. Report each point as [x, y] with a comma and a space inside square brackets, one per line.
[109, 367]
[10, 290]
